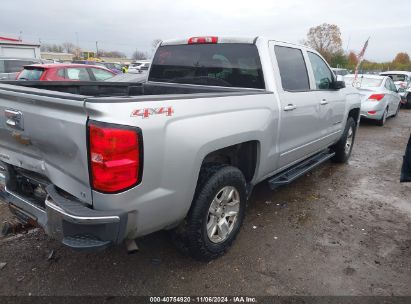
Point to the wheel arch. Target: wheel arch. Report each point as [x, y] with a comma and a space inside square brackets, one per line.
[243, 155]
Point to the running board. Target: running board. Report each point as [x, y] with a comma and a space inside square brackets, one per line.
[298, 170]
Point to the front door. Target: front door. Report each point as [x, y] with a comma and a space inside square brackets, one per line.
[332, 102]
[299, 113]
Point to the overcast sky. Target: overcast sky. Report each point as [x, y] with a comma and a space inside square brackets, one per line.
[127, 25]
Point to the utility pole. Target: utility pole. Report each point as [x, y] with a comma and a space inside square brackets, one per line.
[78, 46]
[96, 48]
[21, 36]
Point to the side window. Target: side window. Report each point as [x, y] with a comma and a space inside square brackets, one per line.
[393, 87]
[322, 74]
[101, 75]
[77, 74]
[293, 71]
[388, 84]
[60, 73]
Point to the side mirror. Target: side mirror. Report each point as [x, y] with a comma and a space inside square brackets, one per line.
[337, 85]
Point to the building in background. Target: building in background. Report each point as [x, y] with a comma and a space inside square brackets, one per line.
[15, 48]
[62, 57]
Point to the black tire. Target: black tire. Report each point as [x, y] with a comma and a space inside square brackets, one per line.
[342, 154]
[191, 236]
[381, 122]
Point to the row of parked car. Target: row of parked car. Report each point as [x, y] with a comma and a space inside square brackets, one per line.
[382, 95]
[38, 69]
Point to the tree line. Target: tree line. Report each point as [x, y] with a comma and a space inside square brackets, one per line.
[326, 39]
[68, 47]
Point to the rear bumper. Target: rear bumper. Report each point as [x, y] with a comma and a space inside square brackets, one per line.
[372, 110]
[69, 221]
[376, 116]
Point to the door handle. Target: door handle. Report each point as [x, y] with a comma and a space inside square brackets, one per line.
[290, 107]
[323, 102]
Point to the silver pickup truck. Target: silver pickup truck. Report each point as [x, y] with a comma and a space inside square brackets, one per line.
[96, 164]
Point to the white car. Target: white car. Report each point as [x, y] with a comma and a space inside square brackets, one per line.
[340, 72]
[379, 96]
[402, 80]
[139, 66]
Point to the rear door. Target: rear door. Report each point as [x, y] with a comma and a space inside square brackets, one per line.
[45, 133]
[300, 123]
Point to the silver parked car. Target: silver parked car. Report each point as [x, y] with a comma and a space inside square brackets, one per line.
[139, 66]
[379, 96]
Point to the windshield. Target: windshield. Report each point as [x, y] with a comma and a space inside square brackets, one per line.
[397, 77]
[30, 74]
[232, 65]
[363, 82]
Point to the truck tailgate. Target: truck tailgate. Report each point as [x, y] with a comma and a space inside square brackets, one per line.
[45, 132]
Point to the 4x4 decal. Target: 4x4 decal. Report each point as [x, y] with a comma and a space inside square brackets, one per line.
[147, 112]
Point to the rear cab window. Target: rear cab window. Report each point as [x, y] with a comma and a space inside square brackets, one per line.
[224, 64]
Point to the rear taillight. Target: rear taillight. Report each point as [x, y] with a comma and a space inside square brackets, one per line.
[115, 156]
[203, 40]
[376, 97]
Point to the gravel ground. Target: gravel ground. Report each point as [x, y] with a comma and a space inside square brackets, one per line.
[340, 230]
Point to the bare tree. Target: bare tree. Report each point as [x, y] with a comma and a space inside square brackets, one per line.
[69, 47]
[137, 55]
[51, 48]
[325, 39]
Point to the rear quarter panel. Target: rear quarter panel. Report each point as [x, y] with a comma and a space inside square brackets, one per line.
[175, 146]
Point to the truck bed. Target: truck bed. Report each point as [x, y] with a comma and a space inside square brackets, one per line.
[117, 89]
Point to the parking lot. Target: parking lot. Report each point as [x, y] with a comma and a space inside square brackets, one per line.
[341, 230]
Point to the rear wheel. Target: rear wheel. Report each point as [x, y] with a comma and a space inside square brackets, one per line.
[383, 119]
[216, 213]
[343, 147]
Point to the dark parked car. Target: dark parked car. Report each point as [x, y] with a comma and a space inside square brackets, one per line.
[10, 67]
